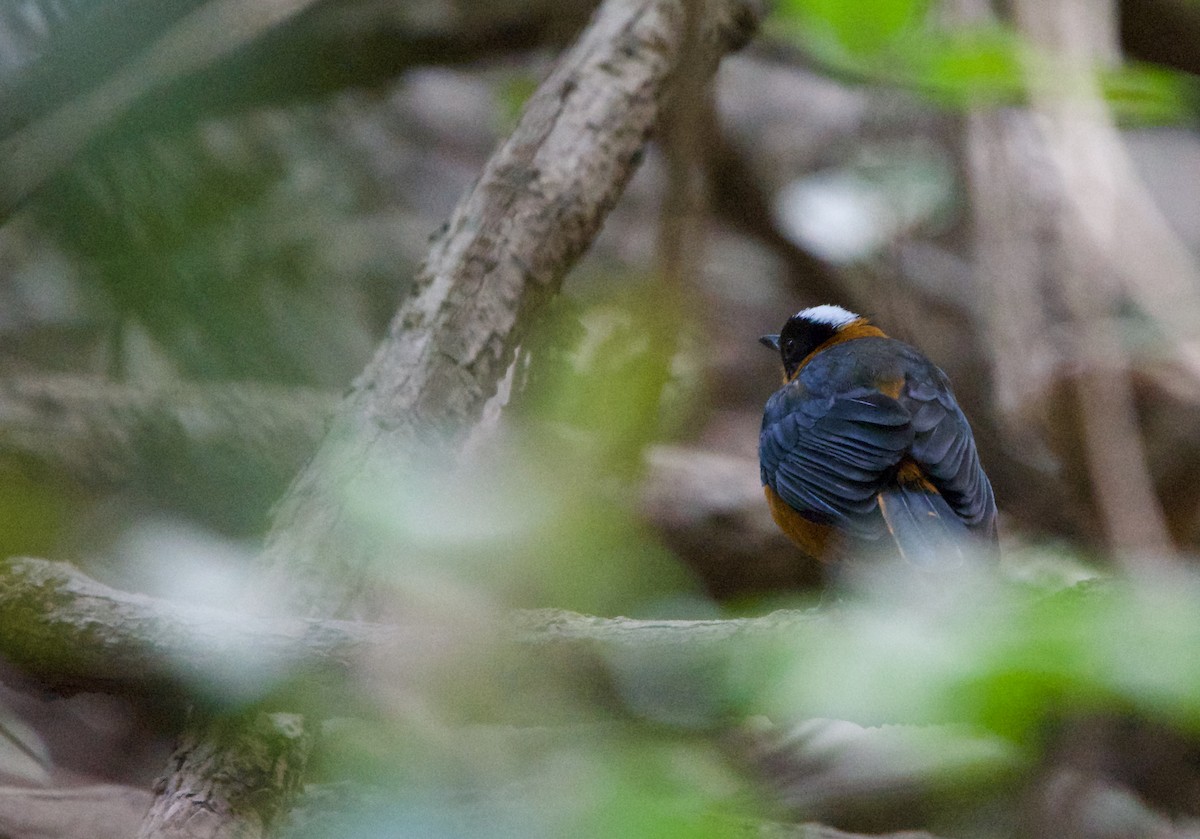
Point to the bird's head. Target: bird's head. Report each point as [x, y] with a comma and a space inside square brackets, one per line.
[805, 331]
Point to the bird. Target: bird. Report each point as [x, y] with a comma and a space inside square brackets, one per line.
[865, 442]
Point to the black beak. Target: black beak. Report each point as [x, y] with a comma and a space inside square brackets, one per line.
[770, 342]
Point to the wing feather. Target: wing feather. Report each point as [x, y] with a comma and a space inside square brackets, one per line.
[831, 440]
[828, 458]
[944, 448]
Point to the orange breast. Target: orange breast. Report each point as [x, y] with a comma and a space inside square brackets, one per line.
[810, 537]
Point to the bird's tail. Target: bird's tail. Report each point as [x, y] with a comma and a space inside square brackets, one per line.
[926, 531]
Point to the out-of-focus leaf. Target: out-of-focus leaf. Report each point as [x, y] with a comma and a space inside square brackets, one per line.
[658, 789]
[51, 50]
[33, 513]
[544, 513]
[891, 42]
[511, 98]
[1001, 657]
[597, 373]
[222, 244]
[1144, 94]
[586, 781]
[861, 29]
[967, 67]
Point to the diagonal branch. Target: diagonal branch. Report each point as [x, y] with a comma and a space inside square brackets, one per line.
[536, 208]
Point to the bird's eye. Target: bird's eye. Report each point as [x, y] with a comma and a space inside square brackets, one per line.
[788, 345]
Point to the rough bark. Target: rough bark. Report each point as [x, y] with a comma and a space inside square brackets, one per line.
[72, 633]
[233, 780]
[536, 207]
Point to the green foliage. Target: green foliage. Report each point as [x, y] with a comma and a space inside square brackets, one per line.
[978, 66]
[588, 781]
[1146, 94]
[514, 92]
[895, 43]
[995, 656]
[861, 30]
[954, 683]
[595, 376]
[34, 513]
[223, 243]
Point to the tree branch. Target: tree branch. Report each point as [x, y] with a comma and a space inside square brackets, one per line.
[536, 207]
[233, 779]
[72, 633]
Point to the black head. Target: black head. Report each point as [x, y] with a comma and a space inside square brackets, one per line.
[804, 332]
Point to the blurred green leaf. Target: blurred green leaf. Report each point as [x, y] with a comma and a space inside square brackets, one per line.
[860, 29]
[1144, 94]
[890, 42]
[657, 788]
[597, 373]
[34, 513]
[511, 97]
[967, 67]
[224, 245]
[613, 780]
[946, 685]
[1002, 657]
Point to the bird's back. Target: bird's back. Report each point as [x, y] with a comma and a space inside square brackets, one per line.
[868, 439]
